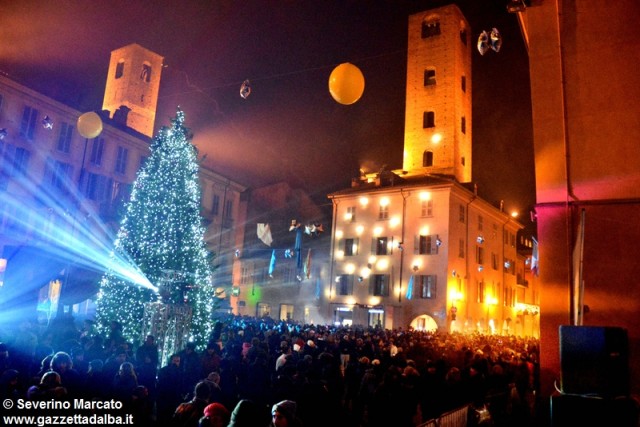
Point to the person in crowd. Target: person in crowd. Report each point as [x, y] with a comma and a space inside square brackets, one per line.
[215, 415]
[9, 386]
[124, 383]
[191, 367]
[49, 388]
[246, 413]
[149, 349]
[188, 414]
[169, 388]
[283, 414]
[70, 378]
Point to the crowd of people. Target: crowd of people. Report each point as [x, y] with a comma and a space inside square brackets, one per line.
[259, 372]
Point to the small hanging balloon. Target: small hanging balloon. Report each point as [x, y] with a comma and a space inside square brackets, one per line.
[3, 133]
[89, 125]
[496, 40]
[245, 89]
[346, 83]
[483, 43]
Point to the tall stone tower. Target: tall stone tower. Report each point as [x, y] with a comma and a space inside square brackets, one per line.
[437, 137]
[133, 83]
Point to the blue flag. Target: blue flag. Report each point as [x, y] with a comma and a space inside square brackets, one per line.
[272, 264]
[410, 288]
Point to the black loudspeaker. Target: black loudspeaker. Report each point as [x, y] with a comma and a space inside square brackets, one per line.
[572, 411]
[594, 361]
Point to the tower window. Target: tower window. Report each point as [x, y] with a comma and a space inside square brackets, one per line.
[429, 77]
[427, 159]
[120, 69]
[428, 119]
[430, 28]
[463, 36]
[463, 124]
[463, 83]
[463, 162]
[145, 73]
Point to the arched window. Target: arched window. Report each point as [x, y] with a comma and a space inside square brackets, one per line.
[427, 159]
[120, 69]
[145, 73]
[430, 27]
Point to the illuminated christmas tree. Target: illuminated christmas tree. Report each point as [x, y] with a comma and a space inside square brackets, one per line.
[162, 237]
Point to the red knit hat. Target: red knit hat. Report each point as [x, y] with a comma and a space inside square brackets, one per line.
[216, 409]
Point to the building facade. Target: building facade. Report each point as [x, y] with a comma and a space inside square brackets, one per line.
[62, 194]
[417, 246]
[283, 264]
[584, 90]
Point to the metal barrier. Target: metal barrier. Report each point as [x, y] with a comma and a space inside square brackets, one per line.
[455, 418]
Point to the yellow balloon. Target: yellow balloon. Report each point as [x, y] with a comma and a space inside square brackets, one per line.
[346, 83]
[89, 125]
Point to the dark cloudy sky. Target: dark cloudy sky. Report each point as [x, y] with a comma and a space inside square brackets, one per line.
[289, 128]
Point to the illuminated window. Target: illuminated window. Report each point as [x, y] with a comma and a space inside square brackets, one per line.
[428, 119]
[351, 213]
[430, 28]
[479, 255]
[427, 159]
[481, 291]
[429, 77]
[427, 286]
[263, 309]
[350, 246]
[344, 285]
[121, 160]
[384, 212]
[380, 285]
[427, 245]
[426, 208]
[97, 149]
[380, 246]
[64, 139]
[120, 69]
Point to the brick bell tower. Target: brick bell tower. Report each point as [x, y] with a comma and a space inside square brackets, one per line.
[437, 138]
[133, 84]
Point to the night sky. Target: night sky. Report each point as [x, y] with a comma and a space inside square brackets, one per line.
[289, 128]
